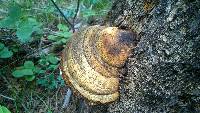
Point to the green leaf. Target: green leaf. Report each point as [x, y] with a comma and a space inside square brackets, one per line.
[52, 59]
[5, 53]
[38, 70]
[60, 79]
[51, 77]
[62, 27]
[41, 71]
[29, 65]
[14, 15]
[22, 72]
[52, 37]
[64, 40]
[26, 28]
[15, 11]
[43, 62]
[36, 25]
[53, 84]
[53, 67]
[64, 34]
[4, 109]
[30, 77]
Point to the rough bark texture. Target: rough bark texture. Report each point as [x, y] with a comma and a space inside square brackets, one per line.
[164, 70]
[163, 73]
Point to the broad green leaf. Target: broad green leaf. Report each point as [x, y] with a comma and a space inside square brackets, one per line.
[53, 83]
[52, 37]
[22, 72]
[52, 59]
[65, 34]
[26, 28]
[4, 109]
[8, 22]
[30, 77]
[62, 27]
[14, 15]
[15, 11]
[29, 65]
[58, 42]
[36, 25]
[24, 33]
[63, 40]
[5, 53]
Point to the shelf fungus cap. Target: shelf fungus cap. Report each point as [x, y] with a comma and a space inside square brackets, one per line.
[92, 59]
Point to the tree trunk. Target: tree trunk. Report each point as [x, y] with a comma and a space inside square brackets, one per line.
[164, 70]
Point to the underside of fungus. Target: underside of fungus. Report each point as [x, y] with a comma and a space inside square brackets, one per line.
[92, 59]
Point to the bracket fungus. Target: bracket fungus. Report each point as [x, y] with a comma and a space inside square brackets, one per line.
[92, 59]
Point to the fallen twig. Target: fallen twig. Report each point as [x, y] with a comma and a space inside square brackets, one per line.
[67, 98]
[9, 98]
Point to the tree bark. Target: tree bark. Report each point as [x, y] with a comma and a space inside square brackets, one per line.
[164, 69]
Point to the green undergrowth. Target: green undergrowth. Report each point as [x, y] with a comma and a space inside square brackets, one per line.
[32, 36]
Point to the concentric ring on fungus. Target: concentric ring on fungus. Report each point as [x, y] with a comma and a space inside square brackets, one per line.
[92, 60]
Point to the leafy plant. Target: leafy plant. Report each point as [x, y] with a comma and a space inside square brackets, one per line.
[49, 64]
[4, 52]
[24, 24]
[4, 109]
[25, 20]
[26, 28]
[62, 35]
[45, 68]
[28, 71]
[14, 15]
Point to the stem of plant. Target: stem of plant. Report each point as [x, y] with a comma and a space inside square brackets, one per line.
[71, 25]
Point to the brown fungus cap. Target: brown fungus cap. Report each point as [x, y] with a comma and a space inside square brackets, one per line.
[92, 59]
[114, 45]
